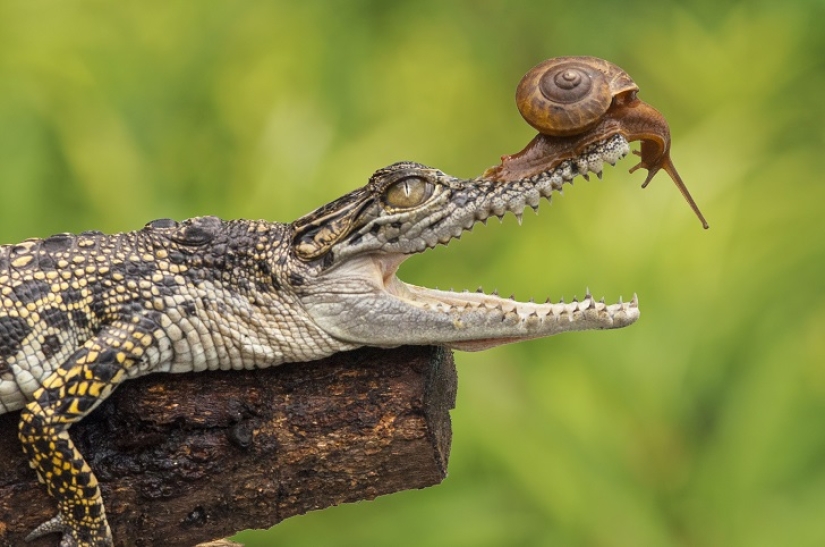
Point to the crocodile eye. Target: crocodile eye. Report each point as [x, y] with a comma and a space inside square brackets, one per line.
[408, 192]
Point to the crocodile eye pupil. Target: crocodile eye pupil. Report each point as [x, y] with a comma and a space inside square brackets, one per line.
[408, 192]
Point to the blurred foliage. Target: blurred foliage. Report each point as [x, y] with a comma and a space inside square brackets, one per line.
[701, 425]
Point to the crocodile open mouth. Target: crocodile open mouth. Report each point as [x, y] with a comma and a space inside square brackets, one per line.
[359, 298]
[467, 304]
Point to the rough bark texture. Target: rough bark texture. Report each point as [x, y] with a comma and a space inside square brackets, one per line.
[184, 459]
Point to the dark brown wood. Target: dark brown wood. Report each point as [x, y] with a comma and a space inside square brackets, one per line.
[188, 458]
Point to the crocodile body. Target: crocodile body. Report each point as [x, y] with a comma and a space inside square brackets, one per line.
[79, 314]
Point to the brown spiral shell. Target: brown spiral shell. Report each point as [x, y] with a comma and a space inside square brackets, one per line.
[568, 95]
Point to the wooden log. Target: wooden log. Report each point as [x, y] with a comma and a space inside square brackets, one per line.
[188, 458]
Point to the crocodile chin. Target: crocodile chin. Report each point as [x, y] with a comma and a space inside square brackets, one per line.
[359, 243]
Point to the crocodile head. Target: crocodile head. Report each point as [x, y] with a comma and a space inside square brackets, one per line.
[352, 248]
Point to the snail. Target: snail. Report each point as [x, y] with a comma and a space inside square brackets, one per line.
[576, 101]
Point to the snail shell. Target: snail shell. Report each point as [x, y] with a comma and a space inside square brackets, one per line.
[569, 95]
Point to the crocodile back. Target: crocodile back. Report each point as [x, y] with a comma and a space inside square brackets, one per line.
[57, 292]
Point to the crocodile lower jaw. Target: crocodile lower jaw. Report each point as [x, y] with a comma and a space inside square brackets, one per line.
[511, 312]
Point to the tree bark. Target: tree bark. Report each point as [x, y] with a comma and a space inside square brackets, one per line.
[189, 458]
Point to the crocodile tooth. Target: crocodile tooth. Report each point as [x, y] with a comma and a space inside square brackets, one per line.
[480, 290]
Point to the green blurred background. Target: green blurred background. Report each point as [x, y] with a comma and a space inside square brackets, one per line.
[701, 425]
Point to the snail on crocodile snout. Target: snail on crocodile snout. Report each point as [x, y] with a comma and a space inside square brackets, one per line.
[576, 101]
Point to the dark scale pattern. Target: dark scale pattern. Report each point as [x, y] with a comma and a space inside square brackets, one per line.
[81, 313]
[13, 331]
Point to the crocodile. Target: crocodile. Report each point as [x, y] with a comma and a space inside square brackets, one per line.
[80, 314]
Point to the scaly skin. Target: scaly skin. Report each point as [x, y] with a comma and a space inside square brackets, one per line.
[79, 314]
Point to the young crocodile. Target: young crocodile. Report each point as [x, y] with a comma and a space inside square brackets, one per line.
[82, 313]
